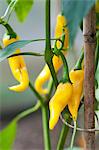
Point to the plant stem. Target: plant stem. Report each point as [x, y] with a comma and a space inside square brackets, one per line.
[50, 88]
[73, 136]
[52, 70]
[44, 118]
[63, 135]
[65, 69]
[8, 9]
[28, 111]
[79, 61]
[9, 29]
[89, 31]
[46, 135]
[48, 52]
[40, 98]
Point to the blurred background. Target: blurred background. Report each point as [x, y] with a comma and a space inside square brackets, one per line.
[29, 134]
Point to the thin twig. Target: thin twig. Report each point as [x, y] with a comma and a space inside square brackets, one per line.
[40, 98]
[73, 135]
[8, 8]
[78, 129]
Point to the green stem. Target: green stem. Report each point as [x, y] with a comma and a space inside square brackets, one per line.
[73, 136]
[8, 9]
[40, 98]
[79, 61]
[46, 135]
[9, 29]
[44, 118]
[65, 69]
[11, 10]
[28, 111]
[50, 88]
[48, 52]
[63, 135]
[53, 73]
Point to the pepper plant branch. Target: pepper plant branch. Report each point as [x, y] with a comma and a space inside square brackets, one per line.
[8, 9]
[44, 108]
[11, 10]
[79, 61]
[89, 31]
[40, 98]
[28, 111]
[47, 143]
[63, 135]
[8, 28]
[44, 118]
[65, 69]
[48, 52]
[50, 89]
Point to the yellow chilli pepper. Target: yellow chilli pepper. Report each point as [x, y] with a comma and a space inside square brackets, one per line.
[57, 62]
[76, 77]
[18, 67]
[59, 101]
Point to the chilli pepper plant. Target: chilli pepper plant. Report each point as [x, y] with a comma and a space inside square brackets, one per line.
[68, 95]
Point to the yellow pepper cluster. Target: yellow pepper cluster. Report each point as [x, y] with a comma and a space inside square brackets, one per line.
[59, 101]
[67, 94]
[18, 67]
[57, 62]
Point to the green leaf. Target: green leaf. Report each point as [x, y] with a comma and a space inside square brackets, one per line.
[75, 11]
[7, 51]
[23, 8]
[7, 136]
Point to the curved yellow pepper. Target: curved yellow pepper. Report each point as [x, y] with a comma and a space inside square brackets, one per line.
[76, 77]
[59, 101]
[57, 62]
[18, 67]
